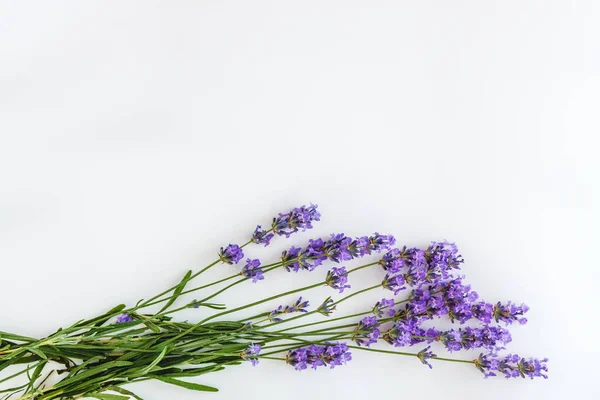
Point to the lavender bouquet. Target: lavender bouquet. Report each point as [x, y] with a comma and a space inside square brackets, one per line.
[98, 357]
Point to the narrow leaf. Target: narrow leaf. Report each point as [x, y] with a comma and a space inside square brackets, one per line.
[187, 385]
[155, 362]
[37, 352]
[177, 291]
[92, 371]
[125, 391]
[104, 396]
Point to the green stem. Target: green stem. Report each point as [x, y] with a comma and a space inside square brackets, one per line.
[401, 353]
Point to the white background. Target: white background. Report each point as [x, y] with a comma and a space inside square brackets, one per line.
[139, 137]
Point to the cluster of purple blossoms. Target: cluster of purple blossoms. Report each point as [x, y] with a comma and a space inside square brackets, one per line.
[508, 313]
[124, 318]
[384, 304]
[251, 354]
[487, 337]
[408, 333]
[298, 306]
[337, 278]
[252, 270]
[425, 355]
[261, 236]
[395, 283]
[331, 354]
[327, 307]
[337, 248]
[366, 332]
[512, 366]
[450, 298]
[231, 254]
[423, 266]
[298, 218]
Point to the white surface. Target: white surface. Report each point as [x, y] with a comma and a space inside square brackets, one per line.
[137, 138]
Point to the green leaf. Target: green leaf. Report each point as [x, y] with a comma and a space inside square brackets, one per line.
[187, 385]
[36, 374]
[84, 364]
[92, 371]
[6, 335]
[125, 391]
[155, 362]
[177, 291]
[151, 325]
[104, 396]
[37, 352]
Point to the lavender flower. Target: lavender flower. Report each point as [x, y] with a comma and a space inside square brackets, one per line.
[382, 305]
[379, 242]
[298, 306]
[424, 266]
[262, 236]
[458, 299]
[483, 311]
[231, 254]
[299, 218]
[392, 261]
[327, 307]
[450, 298]
[510, 312]
[251, 354]
[425, 355]
[512, 366]
[367, 331]
[337, 278]
[488, 337]
[252, 270]
[395, 283]
[337, 248]
[444, 256]
[294, 260]
[408, 333]
[124, 318]
[332, 355]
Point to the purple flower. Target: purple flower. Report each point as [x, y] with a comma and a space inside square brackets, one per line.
[337, 248]
[392, 261]
[395, 283]
[331, 354]
[337, 278]
[443, 256]
[427, 266]
[512, 366]
[414, 257]
[251, 354]
[252, 270]
[367, 331]
[408, 333]
[124, 318]
[294, 260]
[298, 218]
[510, 312]
[298, 306]
[488, 337]
[416, 275]
[425, 355]
[379, 242]
[231, 254]
[261, 236]
[327, 307]
[483, 311]
[458, 299]
[384, 304]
